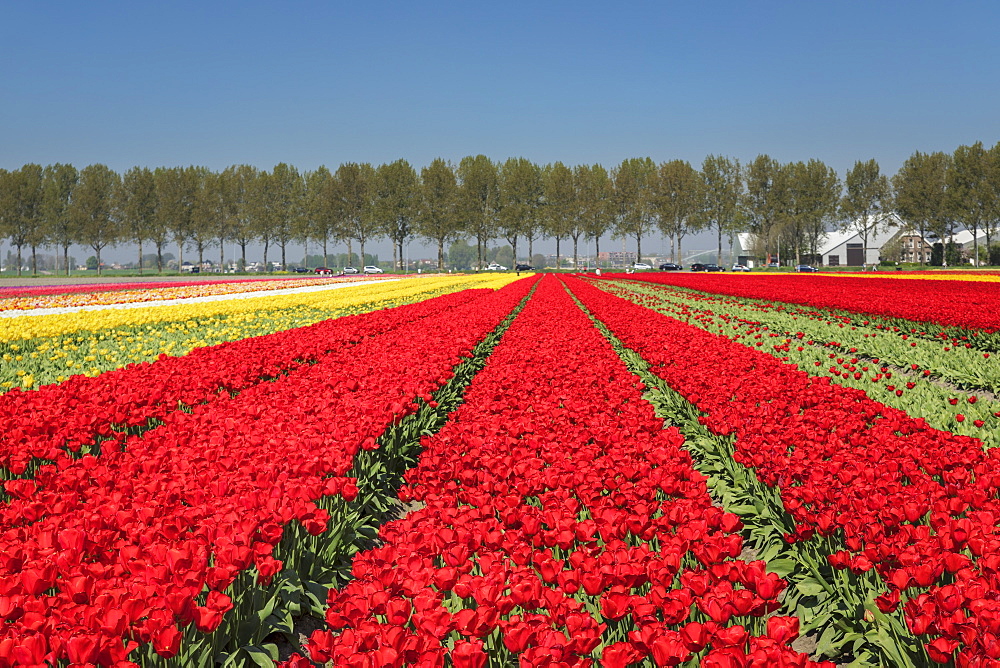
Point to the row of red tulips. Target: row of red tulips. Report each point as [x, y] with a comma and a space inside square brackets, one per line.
[59, 419]
[952, 303]
[559, 524]
[917, 506]
[8, 291]
[100, 556]
[876, 362]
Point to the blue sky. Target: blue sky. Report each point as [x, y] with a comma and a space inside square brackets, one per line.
[311, 83]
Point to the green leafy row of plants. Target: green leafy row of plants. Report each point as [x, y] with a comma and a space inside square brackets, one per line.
[920, 392]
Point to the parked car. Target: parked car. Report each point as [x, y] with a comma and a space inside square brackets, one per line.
[773, 265]
[371, 269]
[523, 267]
[698, 266]
[350, 270]
[805, 267]
[300, 270]
[641, 265]
[323, 271]
[740, 267]
[493, 266]
[670, 266]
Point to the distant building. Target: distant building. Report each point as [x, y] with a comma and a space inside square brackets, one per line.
[846, 247]
[616, 258]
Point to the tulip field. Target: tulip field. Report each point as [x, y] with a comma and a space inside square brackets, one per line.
[471, 471]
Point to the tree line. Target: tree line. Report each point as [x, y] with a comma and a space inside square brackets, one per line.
[788, 207]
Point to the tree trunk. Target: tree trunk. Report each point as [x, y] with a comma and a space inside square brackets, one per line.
[66, 258]
[576, 261]
[557, 253]
[441, 255]
[140, 257]
[243, 254]
[326, 260]
[20, 261]
[266, 244]
[719, 260]
[98, 252]
[638, 248]
[479, 253]
[350, 252]
[597, 251]
[361, 260]
[284, 267]
[34, 261]
[395, 257]
[975, 244]
[222, 255]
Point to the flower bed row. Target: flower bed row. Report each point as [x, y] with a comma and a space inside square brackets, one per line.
[559, 524]
[875, 362]
[887, 494]
[97, 341]
[956, 303]
[18, 297]
[103, 555]
[87, 413]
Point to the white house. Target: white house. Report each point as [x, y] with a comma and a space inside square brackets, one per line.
[836, 248]
[848, 248]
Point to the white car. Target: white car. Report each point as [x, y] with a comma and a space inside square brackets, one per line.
[740, 267]
[641, 265]
[369, 269]
[493, 266]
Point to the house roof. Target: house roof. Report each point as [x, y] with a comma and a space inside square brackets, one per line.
[964, 237]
